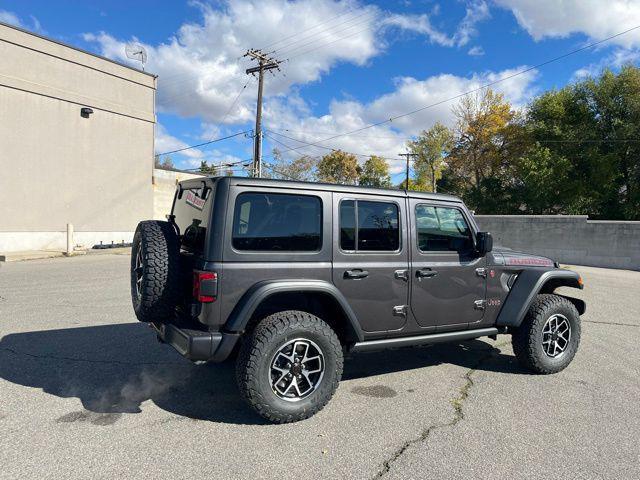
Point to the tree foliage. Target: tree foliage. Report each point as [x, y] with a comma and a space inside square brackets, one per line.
[166, 162]
[302, 168]
[207, 169]
[375, 173]
[431, 149]
[339, 167]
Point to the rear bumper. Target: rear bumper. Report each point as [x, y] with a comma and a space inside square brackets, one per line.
[196, 345]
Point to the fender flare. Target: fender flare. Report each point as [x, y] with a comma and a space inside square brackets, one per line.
[251, 300]
[529, 283]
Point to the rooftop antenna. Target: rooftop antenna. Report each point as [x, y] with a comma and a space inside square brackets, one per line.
[135, 51]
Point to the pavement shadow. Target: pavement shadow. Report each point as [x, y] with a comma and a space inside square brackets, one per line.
[113, 369]
[471, 354]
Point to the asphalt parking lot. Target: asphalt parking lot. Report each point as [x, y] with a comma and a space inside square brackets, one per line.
[87, 392]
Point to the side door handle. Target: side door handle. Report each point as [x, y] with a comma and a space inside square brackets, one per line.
[356, 274]
[426, 273]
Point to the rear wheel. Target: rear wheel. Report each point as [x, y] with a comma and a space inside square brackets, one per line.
[155, 271]
[289, 366]
[549, 336]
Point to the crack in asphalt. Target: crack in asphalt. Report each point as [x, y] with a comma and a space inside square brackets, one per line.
[612, 323]
[88, 360]
[458, 413]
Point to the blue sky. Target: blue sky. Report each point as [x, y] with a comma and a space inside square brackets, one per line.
[350, 63]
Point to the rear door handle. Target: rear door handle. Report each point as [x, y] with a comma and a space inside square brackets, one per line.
[356, 274]
[426, 273]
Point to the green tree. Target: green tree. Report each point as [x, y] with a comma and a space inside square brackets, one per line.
[431, 149]
[302, 168]
[590, 133]
[207, 169]
[375, 173]
[489, 135]
[339, 167]
[166, 162]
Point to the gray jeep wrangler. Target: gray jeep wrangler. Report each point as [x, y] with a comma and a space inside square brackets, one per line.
[288, 277]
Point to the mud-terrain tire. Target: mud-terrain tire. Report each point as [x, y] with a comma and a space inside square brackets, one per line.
[534, 344]
[274, 339]
[155, 271]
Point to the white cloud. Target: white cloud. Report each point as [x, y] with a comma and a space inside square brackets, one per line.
[615, 60]
[389, 139]
[10, 18]
[476, 51]
[13, 19]
[477, 11]
[596, 18]
[201, 68]
[166, 143]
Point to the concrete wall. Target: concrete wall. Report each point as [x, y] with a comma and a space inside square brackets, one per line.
[568, 239]
[164, 187]
[57, 167]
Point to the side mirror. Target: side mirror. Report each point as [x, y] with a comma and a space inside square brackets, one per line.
[484, 243]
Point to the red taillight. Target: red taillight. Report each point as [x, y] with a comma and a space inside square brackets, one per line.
[205, 286]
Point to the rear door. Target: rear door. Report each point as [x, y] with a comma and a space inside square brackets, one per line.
[447, 283]
[370, 258]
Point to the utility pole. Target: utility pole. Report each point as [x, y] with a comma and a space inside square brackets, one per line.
[408, 155]
[265, 63]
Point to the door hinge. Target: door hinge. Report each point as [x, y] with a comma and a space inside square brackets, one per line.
[400, 311]
[479, 304]
[481, 272]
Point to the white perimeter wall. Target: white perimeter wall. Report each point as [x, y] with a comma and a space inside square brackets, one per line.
[568, 239]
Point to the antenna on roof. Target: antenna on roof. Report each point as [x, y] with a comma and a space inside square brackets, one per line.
[135, 51]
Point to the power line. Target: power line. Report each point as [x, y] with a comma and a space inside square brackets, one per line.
[203, 144]
[307, 29]
[270, 167]
[329, 43]
[482, 87]
[328, 148]
[331, 133]
[368, 16]
[235, 100]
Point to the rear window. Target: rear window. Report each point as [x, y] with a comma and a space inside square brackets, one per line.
[277, 222]
[191, 211]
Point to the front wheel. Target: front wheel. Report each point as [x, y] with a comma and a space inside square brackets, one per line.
[289, 366]
[548, 338]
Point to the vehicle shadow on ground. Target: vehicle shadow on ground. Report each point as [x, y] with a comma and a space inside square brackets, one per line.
[113, 369]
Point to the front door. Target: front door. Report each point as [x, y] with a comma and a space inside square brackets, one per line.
[371, 260]
[448, 284]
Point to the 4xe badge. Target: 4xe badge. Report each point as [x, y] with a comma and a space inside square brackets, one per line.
[194, 200]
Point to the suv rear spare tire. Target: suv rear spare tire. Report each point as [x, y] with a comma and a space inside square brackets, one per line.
[155, 271]
[289, 366]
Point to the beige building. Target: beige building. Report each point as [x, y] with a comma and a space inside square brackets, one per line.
[61, 164]
[164, 188]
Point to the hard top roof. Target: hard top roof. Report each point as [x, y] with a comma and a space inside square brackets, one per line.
[327, 187]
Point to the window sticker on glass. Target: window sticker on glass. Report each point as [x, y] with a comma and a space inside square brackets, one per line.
[195, 201]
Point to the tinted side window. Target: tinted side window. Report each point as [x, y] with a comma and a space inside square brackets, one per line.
[277, 222]
[442, 229]
[348, 225]
[191, 212]
[378, 226]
